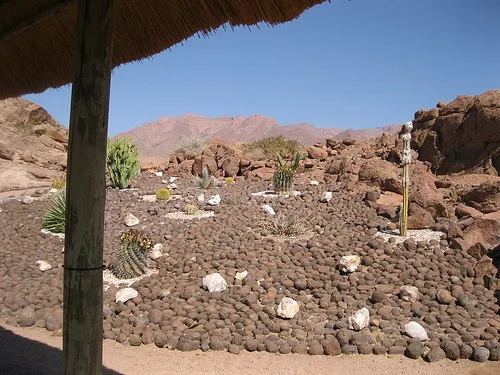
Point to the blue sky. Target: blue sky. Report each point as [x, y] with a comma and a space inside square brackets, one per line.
[356, 64]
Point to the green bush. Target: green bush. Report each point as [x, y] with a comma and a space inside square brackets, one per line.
[163, 194]
[123, 162]
[268, 147]
[55, 220]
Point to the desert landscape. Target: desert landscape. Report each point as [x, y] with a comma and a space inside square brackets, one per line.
[318, 276]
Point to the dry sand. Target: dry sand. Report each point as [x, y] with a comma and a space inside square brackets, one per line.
[34, 351]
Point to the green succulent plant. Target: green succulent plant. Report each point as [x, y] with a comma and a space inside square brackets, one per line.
[55, 219]
[284, 176]
[163, 194]
[122, 161]
[131, 258]
[205, 181]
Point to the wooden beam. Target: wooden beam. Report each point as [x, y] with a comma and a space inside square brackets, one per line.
[33, 20]
[86, 195]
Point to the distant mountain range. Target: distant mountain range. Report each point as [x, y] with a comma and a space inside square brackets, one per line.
[161, 137]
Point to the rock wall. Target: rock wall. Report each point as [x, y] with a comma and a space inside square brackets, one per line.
[462, 136]
[33, 146]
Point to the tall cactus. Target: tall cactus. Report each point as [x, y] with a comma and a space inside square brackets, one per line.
[284, 175]
[123, 162]
[131, 259]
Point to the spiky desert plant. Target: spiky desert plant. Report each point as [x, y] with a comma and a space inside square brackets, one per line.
[204, 180]
[59, 183]
[131, 258]
[123, 162]
[284, 175]
[163, 194]
[55, 220]
[229, 180]
[191, 209]
[286, 225]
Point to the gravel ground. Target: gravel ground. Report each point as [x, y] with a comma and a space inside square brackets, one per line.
[174, 311]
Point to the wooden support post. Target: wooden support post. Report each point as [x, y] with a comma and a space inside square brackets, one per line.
[86, 194]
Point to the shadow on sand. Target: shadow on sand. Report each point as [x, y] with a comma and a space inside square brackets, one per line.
[22, 356]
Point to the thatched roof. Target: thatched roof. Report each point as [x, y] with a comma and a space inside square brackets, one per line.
[37, 37]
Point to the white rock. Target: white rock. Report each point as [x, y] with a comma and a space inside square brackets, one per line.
[149, 198]
[416, 331]
[201, 198]
[409, 293]
[173, 185]
[214, 283]
[172, 179]
[241, 275]
[164, 181]
[159, 174]
[131, 220]
[268, 209]
[349, 263]
[359, 320]
[314, 183]
[287, 308]
[27, 199]
[126, 294]
[53, 190]
[214, 200]
[326, 196]
[156, 251]
[43, 265]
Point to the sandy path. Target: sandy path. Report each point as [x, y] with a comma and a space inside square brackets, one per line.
[33, 351]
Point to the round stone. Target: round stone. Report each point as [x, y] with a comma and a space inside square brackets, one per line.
[480, 354]
[435, 354]
[451, 349]
[414, 350]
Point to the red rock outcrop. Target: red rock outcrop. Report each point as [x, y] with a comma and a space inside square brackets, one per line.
[33, 146]
[461, 136]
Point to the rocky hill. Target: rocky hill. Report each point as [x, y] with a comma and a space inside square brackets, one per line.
[33, 146]
[461, 136]
[161, 137]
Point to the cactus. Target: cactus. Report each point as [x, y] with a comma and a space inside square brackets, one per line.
[205, 181]
[55, 220]
[191, 209]
[131, 259]
[229, 180]
[123, 162]
[163, 194]
[284, 175]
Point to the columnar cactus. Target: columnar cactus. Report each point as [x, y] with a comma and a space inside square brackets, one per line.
[284, 175]
[131, 259]
[123, 162]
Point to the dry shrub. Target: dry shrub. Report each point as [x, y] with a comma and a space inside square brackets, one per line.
[287, 225]
[191, 145]
[267, 148]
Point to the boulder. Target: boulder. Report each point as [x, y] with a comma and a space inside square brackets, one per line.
[484, 230]
[317, 153]
[468, 124]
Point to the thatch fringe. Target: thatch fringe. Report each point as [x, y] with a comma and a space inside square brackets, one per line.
[42, 56]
